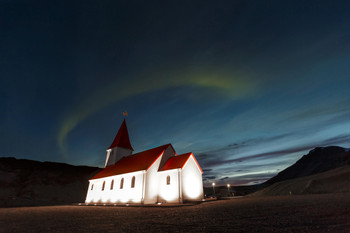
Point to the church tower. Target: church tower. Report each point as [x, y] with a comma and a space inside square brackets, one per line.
[120, 146]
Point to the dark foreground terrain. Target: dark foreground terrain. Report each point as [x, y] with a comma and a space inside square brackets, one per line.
[295, 213]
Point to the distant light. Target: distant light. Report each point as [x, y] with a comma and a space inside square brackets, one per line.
[228, 185]
[213, 188]
[159, 203]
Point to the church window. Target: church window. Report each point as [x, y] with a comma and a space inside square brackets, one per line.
[133, 182]
[112, 183]
[121, 183]
[168, 180]
[103, 185]
[92, 186]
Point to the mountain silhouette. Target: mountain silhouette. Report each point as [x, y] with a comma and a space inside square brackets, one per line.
[318, 160]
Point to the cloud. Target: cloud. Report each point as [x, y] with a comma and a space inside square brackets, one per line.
[209, 177]
[256, 140]
[224, 178]
[218, 162]
[207, 170]
[336, 140]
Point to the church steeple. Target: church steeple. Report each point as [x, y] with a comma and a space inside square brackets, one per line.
[122, 138]
[120, 146]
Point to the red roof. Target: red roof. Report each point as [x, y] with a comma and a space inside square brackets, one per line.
[132, 163]
[178, 162]
[122, 138]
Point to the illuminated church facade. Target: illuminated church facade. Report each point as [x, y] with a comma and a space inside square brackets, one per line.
[157, 175]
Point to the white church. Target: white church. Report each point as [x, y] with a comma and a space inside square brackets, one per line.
[156, 175]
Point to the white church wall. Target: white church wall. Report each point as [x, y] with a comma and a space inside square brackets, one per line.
[93, 194]
[129, 194]
[169, 186]
[152, 183]
[192, 184]
[117, 195]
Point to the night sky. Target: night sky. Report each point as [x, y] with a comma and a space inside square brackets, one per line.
[247, 86]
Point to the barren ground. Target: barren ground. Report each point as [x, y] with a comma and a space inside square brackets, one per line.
[300, 213]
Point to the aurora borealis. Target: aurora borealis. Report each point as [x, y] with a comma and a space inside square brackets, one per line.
[247, 86]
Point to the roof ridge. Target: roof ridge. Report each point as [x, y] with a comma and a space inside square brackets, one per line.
[158, 147]
[188, 153]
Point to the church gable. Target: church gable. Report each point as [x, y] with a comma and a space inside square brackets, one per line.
[193, 160]
[179, 161]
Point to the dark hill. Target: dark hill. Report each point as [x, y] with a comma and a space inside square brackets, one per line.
[27, 182]
[322, 170]
[333, 181]
[318, 160]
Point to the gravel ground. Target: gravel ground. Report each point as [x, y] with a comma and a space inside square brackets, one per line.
[300, 213]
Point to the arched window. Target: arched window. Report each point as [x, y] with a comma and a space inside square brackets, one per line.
[103, 185]
[112, 183]
[133, 182]
[121, 183]
[168, 180]
[92, 186]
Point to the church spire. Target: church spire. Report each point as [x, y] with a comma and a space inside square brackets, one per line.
[120, 146]
[122, 138]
